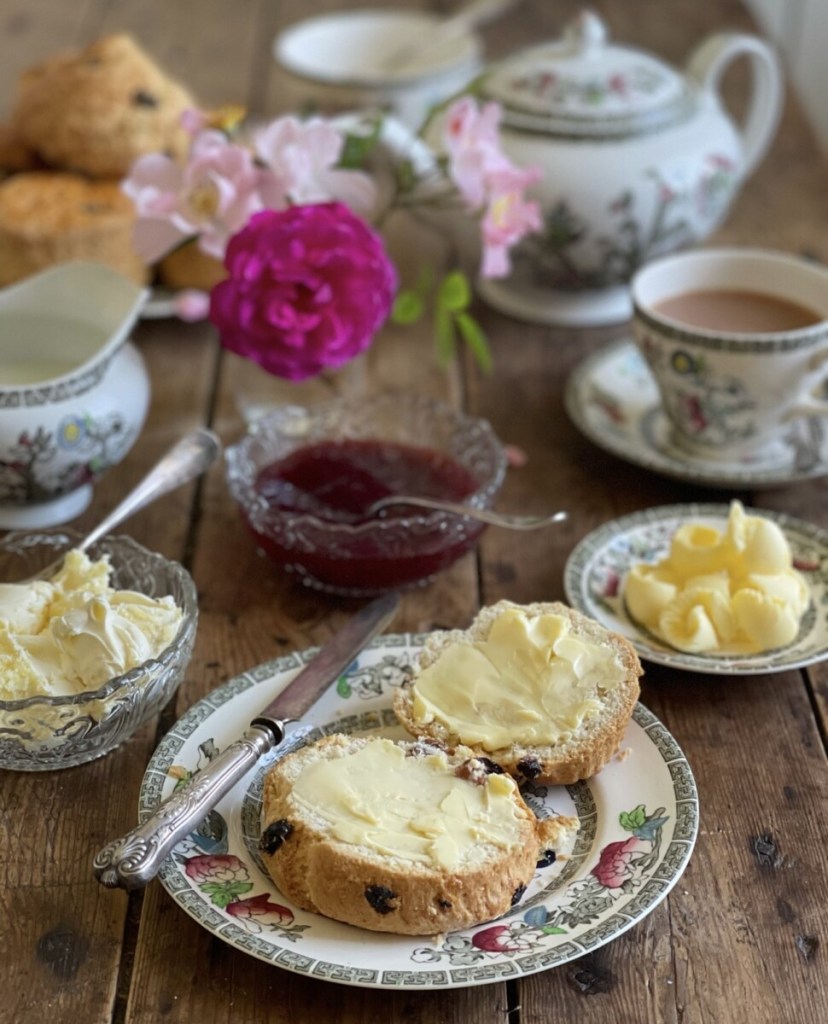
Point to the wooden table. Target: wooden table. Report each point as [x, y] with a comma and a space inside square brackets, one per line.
[741, 938]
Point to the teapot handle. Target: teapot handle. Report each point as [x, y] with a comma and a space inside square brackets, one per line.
[707, 65]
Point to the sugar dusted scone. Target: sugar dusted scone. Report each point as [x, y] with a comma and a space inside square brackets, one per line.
[49, 217]
[401, 837]
[542, 690]
[97, 110]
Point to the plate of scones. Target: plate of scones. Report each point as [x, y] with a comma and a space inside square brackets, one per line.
[458, 808]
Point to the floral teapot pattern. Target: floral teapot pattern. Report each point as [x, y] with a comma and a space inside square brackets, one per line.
[637, 159]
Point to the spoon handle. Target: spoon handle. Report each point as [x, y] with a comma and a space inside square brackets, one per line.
[484, 515]
[188, 458]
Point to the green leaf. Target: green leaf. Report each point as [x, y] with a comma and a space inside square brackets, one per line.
[454, 292]
[444, 336]
[343, 687]
[472, 333]
[549, 929]
[357, 148]
[408, 308]
[631, 820]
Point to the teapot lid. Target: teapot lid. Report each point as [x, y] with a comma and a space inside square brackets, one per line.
[582, 85]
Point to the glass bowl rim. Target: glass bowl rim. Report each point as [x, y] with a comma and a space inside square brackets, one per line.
[124, 681]
[261, 514]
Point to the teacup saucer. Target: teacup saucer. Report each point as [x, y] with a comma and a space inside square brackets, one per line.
[612, 398]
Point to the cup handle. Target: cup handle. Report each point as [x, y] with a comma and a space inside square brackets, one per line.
[708, 63]
[808, 403]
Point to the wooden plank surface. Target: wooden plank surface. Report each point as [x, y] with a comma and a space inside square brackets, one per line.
[743, 935]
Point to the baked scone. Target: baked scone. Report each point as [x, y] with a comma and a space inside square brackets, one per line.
[95, 111]
[49, 217]
[190, 267]
[401, 837]
[15, 155]
[542, 690]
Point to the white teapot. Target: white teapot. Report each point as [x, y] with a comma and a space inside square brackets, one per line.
[638, 160]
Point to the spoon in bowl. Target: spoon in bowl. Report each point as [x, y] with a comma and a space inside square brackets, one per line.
[484, 515]
[188, 458]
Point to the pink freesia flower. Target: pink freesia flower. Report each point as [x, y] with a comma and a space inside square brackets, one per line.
[211, 198]
[307, 288]
[303, 155]
[191, 305]
[472, 143]
[487, 179]
[508, 218]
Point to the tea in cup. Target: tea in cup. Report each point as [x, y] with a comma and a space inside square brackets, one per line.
[737, 340]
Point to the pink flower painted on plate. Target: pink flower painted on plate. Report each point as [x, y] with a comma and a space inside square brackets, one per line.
[215, 868]
[258, 913]
[498, 938]
[614, 868]
[307, 289]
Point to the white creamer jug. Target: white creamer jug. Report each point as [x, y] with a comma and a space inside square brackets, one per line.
[74, 391]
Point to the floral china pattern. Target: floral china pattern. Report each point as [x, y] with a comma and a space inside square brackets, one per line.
[593, 92]
[623, 867]
[624, 861]
[98, 443]
[613, 399]
[627, 237]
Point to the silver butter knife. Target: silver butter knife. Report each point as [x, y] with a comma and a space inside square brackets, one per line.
[133, 860]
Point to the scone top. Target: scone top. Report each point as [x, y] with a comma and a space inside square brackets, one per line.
[411, 806]
[530, 680]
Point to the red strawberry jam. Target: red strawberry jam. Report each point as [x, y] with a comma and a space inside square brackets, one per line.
[336, 482]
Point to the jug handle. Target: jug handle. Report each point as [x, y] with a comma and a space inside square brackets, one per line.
[708, 63]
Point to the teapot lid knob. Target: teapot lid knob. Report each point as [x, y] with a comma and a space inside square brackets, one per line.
[586, 33]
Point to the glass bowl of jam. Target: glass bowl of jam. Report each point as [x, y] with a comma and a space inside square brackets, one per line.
[305, 480]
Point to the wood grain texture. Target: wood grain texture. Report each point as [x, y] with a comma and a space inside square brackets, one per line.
[742, 938]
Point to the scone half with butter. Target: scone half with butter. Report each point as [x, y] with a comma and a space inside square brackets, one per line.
[542, 690]
[405, 837]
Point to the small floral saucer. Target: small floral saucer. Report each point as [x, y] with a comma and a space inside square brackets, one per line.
[638, 823]
[595, 571]
[612, 398]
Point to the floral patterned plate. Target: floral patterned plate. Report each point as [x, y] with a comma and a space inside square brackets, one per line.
[638, 817]
[612, 398]
[594, 576]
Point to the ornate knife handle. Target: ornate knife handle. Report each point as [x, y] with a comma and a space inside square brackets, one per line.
[134, 859]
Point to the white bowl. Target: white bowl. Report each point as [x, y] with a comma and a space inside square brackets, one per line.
[346, 61]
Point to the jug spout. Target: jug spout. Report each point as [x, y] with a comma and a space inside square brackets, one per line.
[90, 296]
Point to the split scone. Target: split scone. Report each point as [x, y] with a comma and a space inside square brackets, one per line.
[542, 690]
[401, 837]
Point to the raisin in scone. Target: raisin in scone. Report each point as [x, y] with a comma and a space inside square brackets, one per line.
[542, 690]
[401, 837]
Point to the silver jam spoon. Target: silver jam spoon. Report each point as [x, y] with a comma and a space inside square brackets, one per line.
[484, 515]
[187, 459]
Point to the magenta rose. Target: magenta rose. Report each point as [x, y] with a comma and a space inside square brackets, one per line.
[307, 289]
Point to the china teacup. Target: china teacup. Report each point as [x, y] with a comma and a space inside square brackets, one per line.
[737, 340]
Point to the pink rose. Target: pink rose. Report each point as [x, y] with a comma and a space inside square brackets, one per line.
[307, 288]
[613, 867]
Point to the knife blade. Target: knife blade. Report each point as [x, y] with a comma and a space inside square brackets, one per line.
[131, 861]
